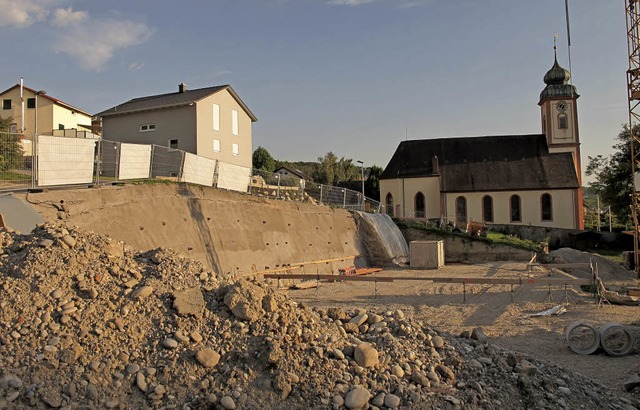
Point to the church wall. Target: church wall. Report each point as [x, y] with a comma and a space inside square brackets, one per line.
[563, 207]
[404, 192]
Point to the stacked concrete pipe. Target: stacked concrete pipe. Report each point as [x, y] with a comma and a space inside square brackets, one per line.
[582, 338]
[616, 339]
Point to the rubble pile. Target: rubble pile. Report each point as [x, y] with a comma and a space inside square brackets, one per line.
[86, 322]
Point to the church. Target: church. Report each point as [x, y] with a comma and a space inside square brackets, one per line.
[532, 179]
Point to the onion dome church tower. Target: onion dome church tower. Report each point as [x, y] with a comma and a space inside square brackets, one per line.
[559, 113]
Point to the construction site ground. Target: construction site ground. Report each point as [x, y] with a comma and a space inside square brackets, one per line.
[491, 307]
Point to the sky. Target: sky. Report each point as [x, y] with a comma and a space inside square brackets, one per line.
[355, 77]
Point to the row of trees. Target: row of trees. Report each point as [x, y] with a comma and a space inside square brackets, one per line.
[328, 170]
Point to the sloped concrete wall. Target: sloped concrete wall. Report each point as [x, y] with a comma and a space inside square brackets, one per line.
[228, 231]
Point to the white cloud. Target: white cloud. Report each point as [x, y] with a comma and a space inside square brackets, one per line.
[22, 13]
[135, 66]
[68, 17]
[94, 42]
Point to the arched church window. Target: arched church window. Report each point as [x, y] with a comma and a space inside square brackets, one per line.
[487, 209]
[546, 207]
[562, 121]
[389, 204]
[515, 209]
[461, 209]
[420, 206]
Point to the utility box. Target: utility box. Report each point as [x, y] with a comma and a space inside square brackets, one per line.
[427, 254]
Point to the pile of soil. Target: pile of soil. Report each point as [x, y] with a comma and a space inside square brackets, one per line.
[87, 322]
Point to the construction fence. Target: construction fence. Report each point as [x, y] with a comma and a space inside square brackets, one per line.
[28, 162]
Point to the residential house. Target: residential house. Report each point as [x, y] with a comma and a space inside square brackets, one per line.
[286, 172]
[54, 115]
[514, 179]
[211, 122]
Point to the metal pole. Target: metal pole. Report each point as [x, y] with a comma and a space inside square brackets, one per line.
[610, 218]
[598, 212]
[278, 178]
[344, 198]
[320, 193]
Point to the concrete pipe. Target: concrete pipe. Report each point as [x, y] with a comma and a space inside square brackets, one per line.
[582, 338]
[616, 339]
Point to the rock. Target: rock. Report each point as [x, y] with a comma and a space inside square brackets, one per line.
[445, 372]
[338, 354]
[133, 368]
[525, 367]
[196, 337]
[351, 327]
[141, 382]
[392, 401]
[69, 241]
[366, 355]
[397, 371]
[378, 400]
[475, 364]
[91, 392]
[228, 403]
[360, 319]
[52, 398]
[631, 383]
[189, 302]
[170, 343]
[374, 318]
[46, 243]
[207, 358]
[337, 313]
[244, 299]
[437, 342]
[357, 398]
[478, 334]
[420, 379]
[142, 292]
[337, 400]
[114, 250]
[119, 322]
[12, 381]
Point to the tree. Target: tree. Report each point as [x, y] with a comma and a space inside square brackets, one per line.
[263, 160]
[325, 173]
[613, 179]
[11, 155]
[372, 184]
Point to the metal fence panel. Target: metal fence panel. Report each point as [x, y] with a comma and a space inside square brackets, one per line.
[16, 160]
[135, 161]
[166, 162]
[64, 161]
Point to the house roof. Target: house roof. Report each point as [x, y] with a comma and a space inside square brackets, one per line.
[491, 163]
[293, 171]
[177, 99]
[48, 97]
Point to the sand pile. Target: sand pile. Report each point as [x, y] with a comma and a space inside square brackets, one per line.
[86, 322]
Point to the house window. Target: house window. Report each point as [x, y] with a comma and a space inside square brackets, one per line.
[216, 117]
[234, 122]
[31, 103]
[147, 127]
[60, 126]
[216, 145]
[562, 121]
[389, 204]
[235, 150]
[515, 209]
[487, 209]
[173, 143]
[6, 104]
[461, 209]
[545, 205]
[420, 206]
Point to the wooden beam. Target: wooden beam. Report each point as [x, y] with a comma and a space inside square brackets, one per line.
[438, 279]
[298, 265]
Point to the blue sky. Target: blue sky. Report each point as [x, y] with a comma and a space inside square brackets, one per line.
[350, 76]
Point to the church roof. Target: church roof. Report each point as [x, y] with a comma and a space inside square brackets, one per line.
[491, 163]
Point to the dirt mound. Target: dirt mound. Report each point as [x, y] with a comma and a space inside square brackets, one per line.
[607, 269]
[86, 322]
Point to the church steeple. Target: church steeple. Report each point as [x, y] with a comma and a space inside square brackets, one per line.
[559, 113]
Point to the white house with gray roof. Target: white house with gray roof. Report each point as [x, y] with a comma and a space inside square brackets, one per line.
[211, 122]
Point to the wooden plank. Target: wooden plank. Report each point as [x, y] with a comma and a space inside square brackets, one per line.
[306, 284]
[300, 264]
[438, 279]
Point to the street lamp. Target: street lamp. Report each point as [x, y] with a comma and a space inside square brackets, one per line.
[362, 177]
[35, 128]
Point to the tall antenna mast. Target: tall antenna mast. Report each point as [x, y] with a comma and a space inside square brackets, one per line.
[566, 10]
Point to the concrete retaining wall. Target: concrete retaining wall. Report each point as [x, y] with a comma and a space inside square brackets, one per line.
[459, 249]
